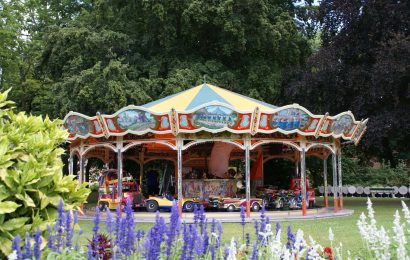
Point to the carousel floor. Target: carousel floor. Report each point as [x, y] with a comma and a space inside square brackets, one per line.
[226, 217]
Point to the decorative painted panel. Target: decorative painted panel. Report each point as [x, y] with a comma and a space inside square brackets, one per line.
[215, 117]
[78, 125]
[342, 125]
[289, 119]
[135, 120]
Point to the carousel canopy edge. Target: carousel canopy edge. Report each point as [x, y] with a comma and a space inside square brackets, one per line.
[213, 109]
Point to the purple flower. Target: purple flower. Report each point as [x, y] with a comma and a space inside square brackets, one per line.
[80, 232]
[202, 218]
[50, 241]
[243, 216]
[60, 225]
[174, 226]
[248, 239]
[277, 227]
[37, 244]
[75, 220]
[155, 238]
[186, 241]
[118, 227]
[205, 242]
[212, 249]
[213, 225]
[109, 221]
[254, 252]
[226, 252]
[27, 247]
[256, 226]
[96, 221]
[263, 221]
[90, 253]
[220, 231]
[16, 246]
[69, 230]
[291, 239]
[130, 229]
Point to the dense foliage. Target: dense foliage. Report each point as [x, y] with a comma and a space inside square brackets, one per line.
[31, 179]
[99, 55]
[114, 53]
[362, 66]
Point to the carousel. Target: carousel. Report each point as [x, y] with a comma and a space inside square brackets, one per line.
[201, 130]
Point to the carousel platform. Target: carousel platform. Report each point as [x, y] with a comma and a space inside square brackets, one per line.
[233, 217]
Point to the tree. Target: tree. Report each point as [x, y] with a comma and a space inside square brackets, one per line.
[116, 53]
[362, 66]
[31, 179]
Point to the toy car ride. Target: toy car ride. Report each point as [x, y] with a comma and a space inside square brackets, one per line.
[154, 203]
[108, 191]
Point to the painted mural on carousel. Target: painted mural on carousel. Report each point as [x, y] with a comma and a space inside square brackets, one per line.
[343, 125]
[215, 117]
[77, 125]
[289, 119]
[136, 120]
[205, 188]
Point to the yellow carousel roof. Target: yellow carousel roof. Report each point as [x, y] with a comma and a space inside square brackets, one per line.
[206, 93]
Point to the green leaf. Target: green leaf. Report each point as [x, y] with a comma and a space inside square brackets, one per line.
[14, 223]
[5, 245]
[8, 207]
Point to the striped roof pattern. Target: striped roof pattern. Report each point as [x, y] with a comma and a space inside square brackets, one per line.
[203, 94]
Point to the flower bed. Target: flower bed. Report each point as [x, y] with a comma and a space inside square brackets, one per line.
[202, 239]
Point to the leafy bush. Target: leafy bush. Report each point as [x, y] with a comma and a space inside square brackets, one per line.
[31, 179]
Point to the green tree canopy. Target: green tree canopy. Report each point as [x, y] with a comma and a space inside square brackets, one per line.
[363, 66]
[116, 53]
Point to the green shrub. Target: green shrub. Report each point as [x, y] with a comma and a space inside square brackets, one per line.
[31, 179]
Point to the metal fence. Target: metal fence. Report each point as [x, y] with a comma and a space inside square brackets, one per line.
[358, 191]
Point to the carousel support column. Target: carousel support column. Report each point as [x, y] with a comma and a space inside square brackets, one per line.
[248, 177]
[339, 167]
[119, 169]
[297, 171]
[303, 177]
[81, 162]
[334, 164]
[71, 165]
[325, 182]
[179, 163]
[81, 173]
[141, 159]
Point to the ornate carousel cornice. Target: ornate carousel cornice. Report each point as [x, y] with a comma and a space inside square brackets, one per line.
[213, 110]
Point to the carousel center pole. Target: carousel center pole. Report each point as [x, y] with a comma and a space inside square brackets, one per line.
[179, 158]
[325, 182]
[248, 178]
[303, 178]
[339, 167]
[334, 164]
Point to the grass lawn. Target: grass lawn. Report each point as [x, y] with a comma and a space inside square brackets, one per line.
[344, 228]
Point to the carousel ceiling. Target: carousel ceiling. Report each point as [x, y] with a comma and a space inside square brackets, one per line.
[212, 109]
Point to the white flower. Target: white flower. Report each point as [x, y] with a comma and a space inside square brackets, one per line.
[232, 250]
[399, 237]
[265, 235]
[13, 255]
[331, 235]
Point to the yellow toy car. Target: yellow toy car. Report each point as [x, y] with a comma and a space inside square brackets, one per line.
[154, 203]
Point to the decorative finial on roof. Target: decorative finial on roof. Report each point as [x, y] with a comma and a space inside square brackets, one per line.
[204, 78]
